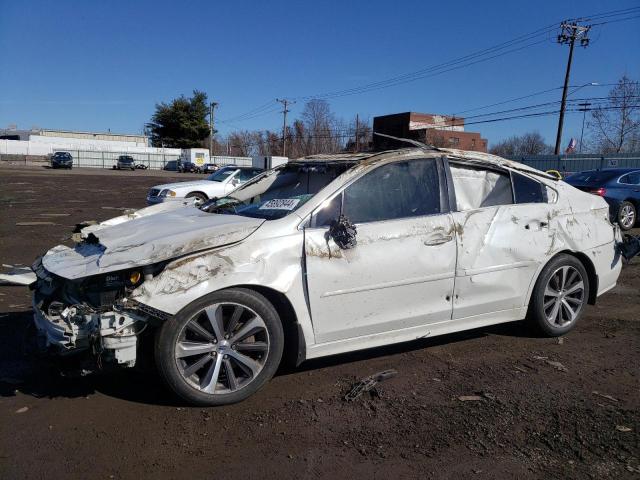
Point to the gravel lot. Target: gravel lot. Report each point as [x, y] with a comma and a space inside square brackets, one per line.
[532, 419]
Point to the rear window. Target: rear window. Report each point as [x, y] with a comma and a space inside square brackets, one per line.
[527, 190]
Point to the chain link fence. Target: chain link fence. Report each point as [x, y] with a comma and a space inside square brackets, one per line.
[108, 159]
[567, 164]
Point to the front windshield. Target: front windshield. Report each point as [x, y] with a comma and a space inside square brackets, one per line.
[278, 192]
[126, 159]
[221, 175]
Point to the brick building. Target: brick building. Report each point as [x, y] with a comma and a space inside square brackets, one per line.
[432, 129]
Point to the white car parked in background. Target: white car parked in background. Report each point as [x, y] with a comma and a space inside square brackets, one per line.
[324, 255]
[218, 184]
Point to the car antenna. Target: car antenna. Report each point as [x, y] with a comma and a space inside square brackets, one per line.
[415, 143]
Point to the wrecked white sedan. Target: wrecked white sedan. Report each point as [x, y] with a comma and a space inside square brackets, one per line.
[324, 255]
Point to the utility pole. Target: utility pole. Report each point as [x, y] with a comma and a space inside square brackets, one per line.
[284, 103]
[212, 107]
[357, 131]
[585, 108]
[569, 33]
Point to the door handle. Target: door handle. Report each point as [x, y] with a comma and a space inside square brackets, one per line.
[438, 240]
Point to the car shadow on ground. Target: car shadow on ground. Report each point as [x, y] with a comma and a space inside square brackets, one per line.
[24, 370]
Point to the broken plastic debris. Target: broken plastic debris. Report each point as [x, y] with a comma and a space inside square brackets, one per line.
[622, 428]
[33, 224]
[18, 276]
[558, 366]
[608, 397]
[22, 410]
[369, 383]
[470, 398]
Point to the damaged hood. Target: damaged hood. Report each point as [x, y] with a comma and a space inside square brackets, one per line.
[145, 240]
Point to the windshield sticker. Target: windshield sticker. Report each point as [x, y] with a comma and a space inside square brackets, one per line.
[280, 204]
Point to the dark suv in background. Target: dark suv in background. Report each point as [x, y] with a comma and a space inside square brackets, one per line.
[172, 165]
[189, 167]
[620, 187]
[62, 160]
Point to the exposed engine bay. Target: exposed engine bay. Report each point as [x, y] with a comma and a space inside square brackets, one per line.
[92, 315]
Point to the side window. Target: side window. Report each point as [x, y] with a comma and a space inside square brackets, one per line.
[631, 178]
[245, 175]
[397, 190]
[480, 187]
[527, 190]
[328, 212]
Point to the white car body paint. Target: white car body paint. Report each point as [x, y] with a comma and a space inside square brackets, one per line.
[208, 187]
[406, 278]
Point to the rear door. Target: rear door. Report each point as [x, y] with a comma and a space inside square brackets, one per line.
[400, 274]
[502, 220]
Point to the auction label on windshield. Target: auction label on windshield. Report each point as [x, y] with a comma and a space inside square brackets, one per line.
[280, 204]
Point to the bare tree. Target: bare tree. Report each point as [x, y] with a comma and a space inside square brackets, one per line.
[615, 126]
[243, 143]
[531, 143]
[364, 133]
[320, 124]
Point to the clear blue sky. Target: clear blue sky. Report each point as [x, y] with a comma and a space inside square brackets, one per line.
[98, 65]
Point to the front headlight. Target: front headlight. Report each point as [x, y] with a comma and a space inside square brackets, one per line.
[167, 193]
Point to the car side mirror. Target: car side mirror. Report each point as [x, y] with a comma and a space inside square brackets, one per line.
[343, 233]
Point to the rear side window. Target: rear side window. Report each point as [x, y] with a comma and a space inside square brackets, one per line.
[526, 190]
[246, 175]
[480, 187]
[397, 190]
[631, 178]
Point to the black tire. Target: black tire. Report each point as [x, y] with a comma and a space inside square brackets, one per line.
[169, 336]
[200, 197]
[627, 215]
[538, 315]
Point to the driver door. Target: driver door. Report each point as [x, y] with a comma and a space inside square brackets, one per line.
[401, 272]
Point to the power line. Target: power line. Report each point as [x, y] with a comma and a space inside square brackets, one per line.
[473, 58]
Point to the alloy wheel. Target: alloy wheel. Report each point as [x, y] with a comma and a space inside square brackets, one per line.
[627, 216]
[222, 348]
[564, 296]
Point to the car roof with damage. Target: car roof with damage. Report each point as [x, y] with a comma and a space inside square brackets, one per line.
[478, 158]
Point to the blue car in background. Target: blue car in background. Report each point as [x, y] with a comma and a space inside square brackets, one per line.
[620, 187]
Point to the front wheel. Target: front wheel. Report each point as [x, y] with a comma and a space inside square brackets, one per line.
[559, 296]
[198, 198]
[221, 348]
[626, 215]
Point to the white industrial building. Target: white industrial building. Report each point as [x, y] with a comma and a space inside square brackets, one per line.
[39, 142]
[100, 149]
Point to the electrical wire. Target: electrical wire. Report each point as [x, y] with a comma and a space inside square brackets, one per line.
[473, 58]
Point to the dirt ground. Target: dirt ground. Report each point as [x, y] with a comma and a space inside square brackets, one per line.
[534, 419]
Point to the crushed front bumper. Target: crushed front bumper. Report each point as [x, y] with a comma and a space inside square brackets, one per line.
[56, 333]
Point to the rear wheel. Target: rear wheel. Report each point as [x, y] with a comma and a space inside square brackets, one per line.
[626, 215]
[220, 349]
[559, 296]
